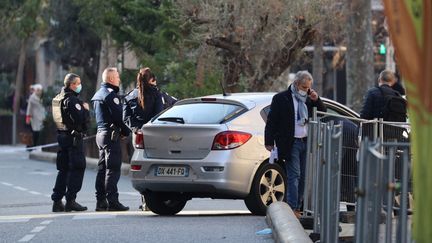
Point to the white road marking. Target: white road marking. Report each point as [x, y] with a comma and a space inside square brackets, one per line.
[14, 220]
[46, 222]
[94, 216]
[26, 238]
[47, 195]
[112, 214]
[23, 189]
[6, 184]
[43, 173]
[130, 193]
[20, 188]
[38, 229]
[213, 212]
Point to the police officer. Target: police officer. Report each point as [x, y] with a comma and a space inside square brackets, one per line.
[108, 111]
[71, 116]
[143, 102]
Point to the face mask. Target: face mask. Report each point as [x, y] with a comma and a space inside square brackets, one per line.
[302, 92]
[78, 89]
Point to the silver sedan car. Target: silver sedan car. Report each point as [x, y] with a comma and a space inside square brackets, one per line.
[210, 146]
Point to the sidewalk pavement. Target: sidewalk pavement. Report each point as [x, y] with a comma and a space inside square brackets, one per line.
[92, 163]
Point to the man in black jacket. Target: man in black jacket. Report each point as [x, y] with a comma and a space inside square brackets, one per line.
[286, 128]
[375, 101]
[376, 105]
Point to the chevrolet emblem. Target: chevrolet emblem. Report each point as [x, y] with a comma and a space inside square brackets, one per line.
[175, 138]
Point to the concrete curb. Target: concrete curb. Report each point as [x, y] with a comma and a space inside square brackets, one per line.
[285, 225]
[92, 163]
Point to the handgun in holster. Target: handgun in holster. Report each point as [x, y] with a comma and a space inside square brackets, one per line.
[76, 137]
[115, 133]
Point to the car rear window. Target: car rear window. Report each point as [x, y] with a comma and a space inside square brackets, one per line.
[200, 113]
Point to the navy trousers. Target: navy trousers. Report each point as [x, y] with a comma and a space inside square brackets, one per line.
[108, 167]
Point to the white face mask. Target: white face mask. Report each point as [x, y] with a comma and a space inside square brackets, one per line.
[302, 92]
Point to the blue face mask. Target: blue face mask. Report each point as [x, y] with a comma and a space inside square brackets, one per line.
[78, 89]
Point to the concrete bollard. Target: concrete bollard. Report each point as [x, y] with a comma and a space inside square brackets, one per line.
[285, 225]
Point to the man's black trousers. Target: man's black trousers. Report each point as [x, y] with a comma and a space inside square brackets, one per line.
[71, 164]
[108, 167]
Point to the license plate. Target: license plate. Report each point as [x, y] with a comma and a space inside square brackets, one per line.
[172, 171]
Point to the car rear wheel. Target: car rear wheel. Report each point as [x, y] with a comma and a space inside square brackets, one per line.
[164, 203]
[268, 186]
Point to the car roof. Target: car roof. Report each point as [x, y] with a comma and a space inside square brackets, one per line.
[253, 99]
[340, 107]
[258, 98]
[248, 100]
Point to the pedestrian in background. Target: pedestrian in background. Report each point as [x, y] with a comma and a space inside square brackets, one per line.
[375, 101]
[35, 114]
[143, 102]
[387, 103]
[110, 127]
[71, 116]
[286, 128]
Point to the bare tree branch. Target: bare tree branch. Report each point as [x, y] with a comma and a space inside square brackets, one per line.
[224, 43]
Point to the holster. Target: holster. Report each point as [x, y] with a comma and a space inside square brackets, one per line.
[77, 136]
[115, 133]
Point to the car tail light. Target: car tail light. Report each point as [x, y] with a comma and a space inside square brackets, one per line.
[135, 167]
[229, 140]
[139, 140]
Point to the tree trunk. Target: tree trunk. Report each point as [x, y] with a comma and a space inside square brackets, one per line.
[18, 87]
[19, 77]
[232, 71]
[200, 70]
[359, 66]
[107, 58]
[318, 64]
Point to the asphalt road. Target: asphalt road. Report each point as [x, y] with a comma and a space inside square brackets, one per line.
[25, 212]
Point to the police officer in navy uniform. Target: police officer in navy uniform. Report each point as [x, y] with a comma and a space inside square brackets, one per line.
[71, 116]
[108, 111]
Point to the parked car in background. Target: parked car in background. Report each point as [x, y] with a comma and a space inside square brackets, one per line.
[212, 147]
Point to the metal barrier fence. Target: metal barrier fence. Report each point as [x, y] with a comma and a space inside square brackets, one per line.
[376, 192]
[334, 174]
[322, 188]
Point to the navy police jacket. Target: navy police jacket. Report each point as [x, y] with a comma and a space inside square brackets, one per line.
[75, 116]
[108, 108]
[134, 116]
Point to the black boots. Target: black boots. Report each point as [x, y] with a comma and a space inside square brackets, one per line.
[117, 206]
[71, 205]
[74, 206]
[102, 205]
[58, 206]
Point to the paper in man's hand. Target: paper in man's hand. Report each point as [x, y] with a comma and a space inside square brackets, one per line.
[273, 155]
